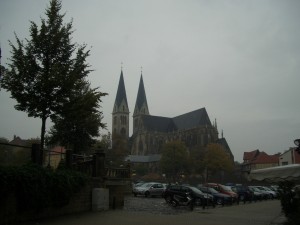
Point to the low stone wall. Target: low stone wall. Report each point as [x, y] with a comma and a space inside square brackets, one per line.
[80, 202]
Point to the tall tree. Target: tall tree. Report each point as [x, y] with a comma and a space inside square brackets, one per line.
[78, 123]
[174, 159]
[104, 143]
[216, 160]
[45, 68]
[119, 151]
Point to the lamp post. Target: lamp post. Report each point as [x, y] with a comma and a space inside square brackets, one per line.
[297, 143]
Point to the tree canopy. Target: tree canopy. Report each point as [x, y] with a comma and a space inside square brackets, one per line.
[79, 121]
[216, 159]
[47, 72]
[174, 159]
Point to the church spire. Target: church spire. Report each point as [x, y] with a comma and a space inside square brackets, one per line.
[120, 114]
[141, 106]
[121, 93]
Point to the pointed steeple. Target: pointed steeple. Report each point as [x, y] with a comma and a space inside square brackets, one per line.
[216, 126]
[121, 94]
[120, 114]
[141, 106]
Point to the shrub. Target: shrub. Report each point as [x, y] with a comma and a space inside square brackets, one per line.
[37, 188]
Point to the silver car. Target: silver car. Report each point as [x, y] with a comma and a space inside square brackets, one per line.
[149, 189]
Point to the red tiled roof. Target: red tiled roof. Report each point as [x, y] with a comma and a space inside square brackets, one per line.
[263, 158]
[250, 155]
[18, 141]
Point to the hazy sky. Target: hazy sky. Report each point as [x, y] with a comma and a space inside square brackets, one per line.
[238, 59]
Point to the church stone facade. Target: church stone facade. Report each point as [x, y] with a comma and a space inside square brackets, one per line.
[151, 132]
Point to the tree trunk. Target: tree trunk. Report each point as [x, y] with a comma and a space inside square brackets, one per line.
[43, 130]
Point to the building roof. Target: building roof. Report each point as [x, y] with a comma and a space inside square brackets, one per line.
[141, 96]
[158, 123]
[185, 121]
[143, 158]
[250, 155]
[258, 157]
[121, 93]
[222, 141]
[192, 119]
[18, 141]
[264, 158]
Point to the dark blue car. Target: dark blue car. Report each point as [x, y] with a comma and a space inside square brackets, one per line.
[219, 198]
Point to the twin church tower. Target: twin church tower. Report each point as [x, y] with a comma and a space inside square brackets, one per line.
[150, 132]
[120, 114]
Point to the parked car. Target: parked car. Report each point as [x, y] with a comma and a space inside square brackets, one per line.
[257, 195]
[224, 190]
[272, 194]
[199, 198]
[219, 198]
[244, 193]
[264, 194]
[149, 189]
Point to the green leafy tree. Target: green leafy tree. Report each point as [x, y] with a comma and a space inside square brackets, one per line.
[2, 69]
[196, 160]
[174, 159]
[45, 69]
[119, 151]
[78, 123]
[216, 160]
[104, 143]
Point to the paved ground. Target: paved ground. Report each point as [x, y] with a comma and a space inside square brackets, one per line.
[137, 211]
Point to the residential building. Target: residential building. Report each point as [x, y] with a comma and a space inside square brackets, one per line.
[290, 156]
[259, 160]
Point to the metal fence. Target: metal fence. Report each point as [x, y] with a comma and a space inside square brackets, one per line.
[14, 155]
[92, 165]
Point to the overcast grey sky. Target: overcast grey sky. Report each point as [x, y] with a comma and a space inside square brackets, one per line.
[238, 59]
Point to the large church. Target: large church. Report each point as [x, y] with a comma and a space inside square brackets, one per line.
[151, 132]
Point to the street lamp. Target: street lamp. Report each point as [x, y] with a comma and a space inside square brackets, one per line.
[297, 143]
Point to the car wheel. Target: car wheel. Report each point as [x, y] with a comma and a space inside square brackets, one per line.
[168, 199]
[134, 194]
[147, 194]
[174, 203]
[198, 202]
[220, 201]
[242, 197]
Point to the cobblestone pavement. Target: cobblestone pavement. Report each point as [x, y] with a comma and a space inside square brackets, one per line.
[154, 211]
[153, 205]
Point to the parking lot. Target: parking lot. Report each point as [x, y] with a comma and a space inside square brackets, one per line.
[154, 211]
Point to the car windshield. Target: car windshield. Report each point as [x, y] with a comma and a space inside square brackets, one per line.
[146, 185]
[196, 190]
[213, 191]
[225, 188]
